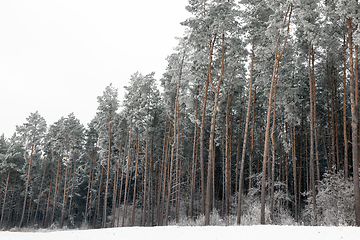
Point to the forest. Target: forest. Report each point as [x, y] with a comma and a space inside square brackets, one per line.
[255, 121]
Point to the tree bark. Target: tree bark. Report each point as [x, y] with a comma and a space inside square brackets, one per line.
[212, 136]
[57, 180]
[267, 129]
[107, 178]
[312, 134]
[116, 177]
[27, 186]
[92, 161]
[145, 170]
[135, 180]
[242, 167]
[127, 174]
[4, 201]
[354, 125]
[65, 182]
[346, 158]
[202, 127]
[273, 158]
[194, 160]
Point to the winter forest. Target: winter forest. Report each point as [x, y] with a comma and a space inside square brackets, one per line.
[255, 121]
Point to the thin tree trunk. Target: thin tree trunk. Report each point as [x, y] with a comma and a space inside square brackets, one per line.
[127, 174]
[4, 201]
[164, 174]
[73, 162]
[92, 181]
[11, 201]
[57, 180]
[211, 158]
[121, 185]
[92, 162]
[30, 210]
[48, 199]
[135, 180]
[41, 186]
[169, 185]
[107, 178]
[354, 124]
[178, 171]
[151, 192]
[228, 154]
[346, 158]
[202, 126]
[267, 129]
[194, 164]
[116, 177]
[27, 186]
[293, 140]
[273, 158]
[242, 167]
[159, 172]
[65, 182]
[97, 212]
[145, 171]
[312, 140]
[252, 142]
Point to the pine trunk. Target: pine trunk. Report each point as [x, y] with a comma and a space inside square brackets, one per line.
[273, 159]
[135, 180]
[97, 212]
[127, 175]
[5, 193]
[211, 158]
[107, 178]
[116, 177]
[270, 99]
[312, 134]
[145, 172]
[89, 184]
[354, 124]
[57, 183]
[65, 182]
[194, 161]
[346, 157]
[27, 186]
[242, 167]
[41, 186]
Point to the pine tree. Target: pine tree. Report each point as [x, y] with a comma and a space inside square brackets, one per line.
[31, 134]
[108, 105]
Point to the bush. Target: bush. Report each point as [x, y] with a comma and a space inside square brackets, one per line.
[334, 202]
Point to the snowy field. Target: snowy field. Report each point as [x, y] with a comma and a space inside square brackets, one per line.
[198, 233]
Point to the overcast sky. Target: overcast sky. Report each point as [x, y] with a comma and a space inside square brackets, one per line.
[56, 57]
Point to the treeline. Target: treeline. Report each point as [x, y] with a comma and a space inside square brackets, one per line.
[259, 98]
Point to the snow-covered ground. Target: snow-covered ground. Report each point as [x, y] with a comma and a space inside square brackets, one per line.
[198, 233]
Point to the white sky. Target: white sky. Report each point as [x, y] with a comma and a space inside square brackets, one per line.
[57, 56]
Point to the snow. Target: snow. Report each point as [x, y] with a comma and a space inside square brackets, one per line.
[188, 233]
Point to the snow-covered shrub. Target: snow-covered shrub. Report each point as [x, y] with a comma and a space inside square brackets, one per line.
[334, 202]
[251, 207]
[127, 219]
[184, 221]
[216, 219]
